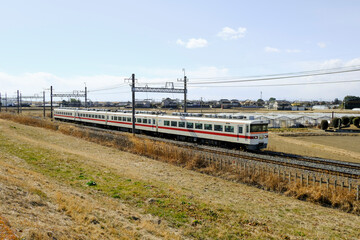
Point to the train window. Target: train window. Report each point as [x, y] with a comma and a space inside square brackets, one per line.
[189, 125]
[198, 125]
[129, 119]
[138, 120]
[166, 123]
[258, 128]
[182, 124]
[144, 120]
[240, 130]
[153, 121]
[174, 123]
[102, 116]
[218, 128]
[229, 129]
[247, 128]
[208, 127]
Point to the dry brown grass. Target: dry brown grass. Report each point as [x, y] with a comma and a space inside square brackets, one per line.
[334, 197]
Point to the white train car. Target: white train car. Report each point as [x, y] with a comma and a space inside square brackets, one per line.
[252, 134]
[64, 114]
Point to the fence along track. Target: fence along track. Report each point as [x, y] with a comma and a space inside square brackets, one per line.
[292, 169]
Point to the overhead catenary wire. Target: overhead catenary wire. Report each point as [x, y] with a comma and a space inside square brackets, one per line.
[279, 85]
[272, 77]
[121, 85]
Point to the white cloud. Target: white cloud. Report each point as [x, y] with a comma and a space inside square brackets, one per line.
[276, 50]
[293, 50]
[332, 63]
[193, 43]
[230, 34]
[271, 49]
[180, 42]
[321, 45]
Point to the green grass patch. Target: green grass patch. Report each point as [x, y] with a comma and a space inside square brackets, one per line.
[198, 219]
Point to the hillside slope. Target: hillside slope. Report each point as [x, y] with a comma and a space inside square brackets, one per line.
[53, 185]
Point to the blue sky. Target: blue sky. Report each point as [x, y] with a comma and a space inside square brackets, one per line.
[66, 43]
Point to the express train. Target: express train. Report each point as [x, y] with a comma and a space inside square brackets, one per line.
[251, 134]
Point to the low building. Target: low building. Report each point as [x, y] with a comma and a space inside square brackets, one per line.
[169, 103]
[280, 105]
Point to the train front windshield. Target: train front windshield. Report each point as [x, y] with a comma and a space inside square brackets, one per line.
[258, 128]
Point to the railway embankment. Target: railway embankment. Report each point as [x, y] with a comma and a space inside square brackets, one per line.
[74, 163]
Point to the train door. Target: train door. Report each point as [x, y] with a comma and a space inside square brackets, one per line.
[240, 132]
[153, 124]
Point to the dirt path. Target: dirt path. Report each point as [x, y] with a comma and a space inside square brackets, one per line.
[32, 201]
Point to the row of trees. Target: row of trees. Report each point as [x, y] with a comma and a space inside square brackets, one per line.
[341, 122]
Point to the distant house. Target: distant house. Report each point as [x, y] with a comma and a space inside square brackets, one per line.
[169, 103]
[225, 103]
[142, 104]
[235, 103]
[280, 105]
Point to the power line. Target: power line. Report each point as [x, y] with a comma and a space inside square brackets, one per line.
[281, 74]
[109, 87]
[283, 84]
[276, 77]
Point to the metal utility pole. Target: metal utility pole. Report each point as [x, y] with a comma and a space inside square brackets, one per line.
[133, 102]
[44, 104]
[18, 102]
[185, 89]
[51, 103]
[85, 95]
[6, 102]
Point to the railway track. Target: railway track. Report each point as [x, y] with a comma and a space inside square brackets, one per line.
[318, 165]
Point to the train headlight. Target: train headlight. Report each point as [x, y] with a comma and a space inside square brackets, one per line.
[265, 136]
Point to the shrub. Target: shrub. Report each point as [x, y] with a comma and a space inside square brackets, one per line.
[345, 120]
[356, 122]
[324, 124]
[351, 119]
[336, 123]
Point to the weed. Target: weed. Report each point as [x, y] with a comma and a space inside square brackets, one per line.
[91, 183]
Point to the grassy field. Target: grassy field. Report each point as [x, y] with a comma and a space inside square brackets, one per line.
[343, 148]
[53, 185]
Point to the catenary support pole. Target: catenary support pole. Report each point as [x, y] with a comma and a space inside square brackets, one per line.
[6, 107]
[18, 102]
[133, 102]
[44, 111]
[51, 103]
